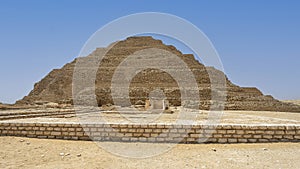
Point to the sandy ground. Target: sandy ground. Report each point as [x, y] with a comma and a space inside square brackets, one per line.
[17, 152]
[227, 117]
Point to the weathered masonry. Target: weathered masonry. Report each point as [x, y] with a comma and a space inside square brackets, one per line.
[226, 133]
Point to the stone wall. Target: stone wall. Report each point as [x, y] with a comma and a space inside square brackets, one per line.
[154, 132]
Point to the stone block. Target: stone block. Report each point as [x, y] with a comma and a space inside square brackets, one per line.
[55, 133]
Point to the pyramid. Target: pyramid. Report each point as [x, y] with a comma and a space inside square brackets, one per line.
[57, 85]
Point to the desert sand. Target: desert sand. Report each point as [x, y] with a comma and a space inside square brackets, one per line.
[17, 152]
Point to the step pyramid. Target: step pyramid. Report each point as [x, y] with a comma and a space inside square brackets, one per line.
[57, 85]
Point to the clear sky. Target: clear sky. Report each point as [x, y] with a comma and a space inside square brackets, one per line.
[258, 41]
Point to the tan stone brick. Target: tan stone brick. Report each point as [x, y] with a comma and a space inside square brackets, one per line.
[226, 127]
[237, 127]
[125, 139]
[49, 128]
[249, 131]
[53, 125]
[270, 132]
[134, 139]
[160, 139]
[93, 129]
[20, 128]
[45, 125]
[152, 126]
[262, 127]
[102, 129]
[112, 134]
[195, 135]
[109, 129]
[31, 124]
[237, 135]
[65, 133]
[160, 126]
[230, 131]
[247, 136]
[221, 131]
[174, 135]
[137, 134]
[74, 138]
[240, 132]
[79, 133]
[46, 133]
[148, 130]
[67, 137]
[146, 134]
[42, 137]
[42, 128]
[55, 133]
[9, 128]
[39, 132]
[191, 139]
[96, 134]
[290, 127]
[57, 129]
[173, 131]
[277, 136]
[163, 135]
[181, 130]
[115, 126]
[211, 140]
[64, 129]
[153, 134]
[232, 140]
[143, 139]
[132, 130]
[61, 125]
[279, 132]
[67, 125]
[259, 131]
[128, 134]
[222, 140]
[242, 140]
[122, 125]
[257, 136]
[28, 128]
[135, 126]
[290, 137]
[267, 136]
[71, 129]
[291, 132]
[272, 128]
[124, 130]
[297, 137]
[151, 139]
[140, 130]
[157, 130]
[252, 140]
[263, 140]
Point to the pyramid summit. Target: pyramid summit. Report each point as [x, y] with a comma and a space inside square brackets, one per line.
[57, 85]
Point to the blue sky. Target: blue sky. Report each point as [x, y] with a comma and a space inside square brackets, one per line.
[258, 41]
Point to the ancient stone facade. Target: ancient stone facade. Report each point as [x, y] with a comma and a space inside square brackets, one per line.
[57, 85]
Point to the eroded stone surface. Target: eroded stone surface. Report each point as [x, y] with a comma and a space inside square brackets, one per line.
[57, 85]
